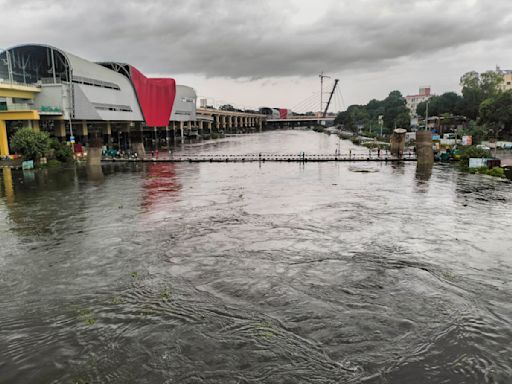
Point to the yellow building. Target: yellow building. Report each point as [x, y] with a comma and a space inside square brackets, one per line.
[16, 104]
[507, 80]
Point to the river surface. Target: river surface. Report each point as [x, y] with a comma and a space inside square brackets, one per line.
[255, 273]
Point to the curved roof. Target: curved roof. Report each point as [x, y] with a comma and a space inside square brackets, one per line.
[98, 92]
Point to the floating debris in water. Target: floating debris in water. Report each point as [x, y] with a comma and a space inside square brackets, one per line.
[363, 170]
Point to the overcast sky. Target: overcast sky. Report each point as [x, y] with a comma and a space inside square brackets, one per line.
[258, 52]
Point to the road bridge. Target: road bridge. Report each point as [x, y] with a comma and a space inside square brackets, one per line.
[301, 121]
[229, 121]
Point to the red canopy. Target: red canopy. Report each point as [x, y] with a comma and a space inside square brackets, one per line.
[156, 97]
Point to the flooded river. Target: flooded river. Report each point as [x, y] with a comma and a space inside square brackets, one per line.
[255, 273]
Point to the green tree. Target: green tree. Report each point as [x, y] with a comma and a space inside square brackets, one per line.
[496, 114]
[396, 113]
[31, 145]
[476, 88]
[61, 150]
[353, 117]
[227, 107]
[448, 103]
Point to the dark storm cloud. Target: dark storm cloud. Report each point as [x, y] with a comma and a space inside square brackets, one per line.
[235, 38]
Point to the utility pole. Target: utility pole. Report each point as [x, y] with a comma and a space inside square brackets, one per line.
[426, 116]
[322, 77]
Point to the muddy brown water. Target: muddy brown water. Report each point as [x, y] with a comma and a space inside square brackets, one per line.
[255, 273]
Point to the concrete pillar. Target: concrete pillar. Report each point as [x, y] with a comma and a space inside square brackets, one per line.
[136, 142]
[424, 151]
[94, 150]
[84, 130]
[397, 142]
[107, 131]
[93, 155]
[4, 146]
[8, 185]
[60, 129]
[182, 134]
[210, 127]
[173, 131]
[260, 123]
[167, 141]
[36, 127]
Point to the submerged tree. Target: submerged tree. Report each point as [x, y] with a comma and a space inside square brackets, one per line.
[31, 145]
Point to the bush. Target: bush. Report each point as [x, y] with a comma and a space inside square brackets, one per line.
[495, 171]
[355, 140]
[53, 163]
[29, 144]
[62, 151]
[474, 152]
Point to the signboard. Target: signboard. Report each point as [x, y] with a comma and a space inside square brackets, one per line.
[478, 162]
[72, 139]
[436, 137]
[467, 140]
[27, 164]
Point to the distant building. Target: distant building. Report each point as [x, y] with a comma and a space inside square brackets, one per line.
[413, 100]
[507, 78]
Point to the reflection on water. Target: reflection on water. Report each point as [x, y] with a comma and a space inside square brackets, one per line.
[424, 172]
[255, 273]
[160, 185]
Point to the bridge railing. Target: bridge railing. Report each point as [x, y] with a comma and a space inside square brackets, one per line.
[274, 156]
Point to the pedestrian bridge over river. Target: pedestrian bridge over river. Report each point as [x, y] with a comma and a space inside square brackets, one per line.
[261, 157]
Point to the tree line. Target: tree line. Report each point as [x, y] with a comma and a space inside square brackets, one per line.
[483, 102]
[393, 110]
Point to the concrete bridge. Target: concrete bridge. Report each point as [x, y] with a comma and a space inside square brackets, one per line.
[230, 121]
[301, 121]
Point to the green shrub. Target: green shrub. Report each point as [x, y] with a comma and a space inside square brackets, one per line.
[474, 152]
[496, 172]
[62, 151]
[29, 144]
[53, 163]
[355, 140]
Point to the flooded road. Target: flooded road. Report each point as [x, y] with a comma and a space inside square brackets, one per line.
[248, 273]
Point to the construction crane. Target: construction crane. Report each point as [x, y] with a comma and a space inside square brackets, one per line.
[330, 97]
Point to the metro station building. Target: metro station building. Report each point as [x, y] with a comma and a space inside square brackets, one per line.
[51, 90]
